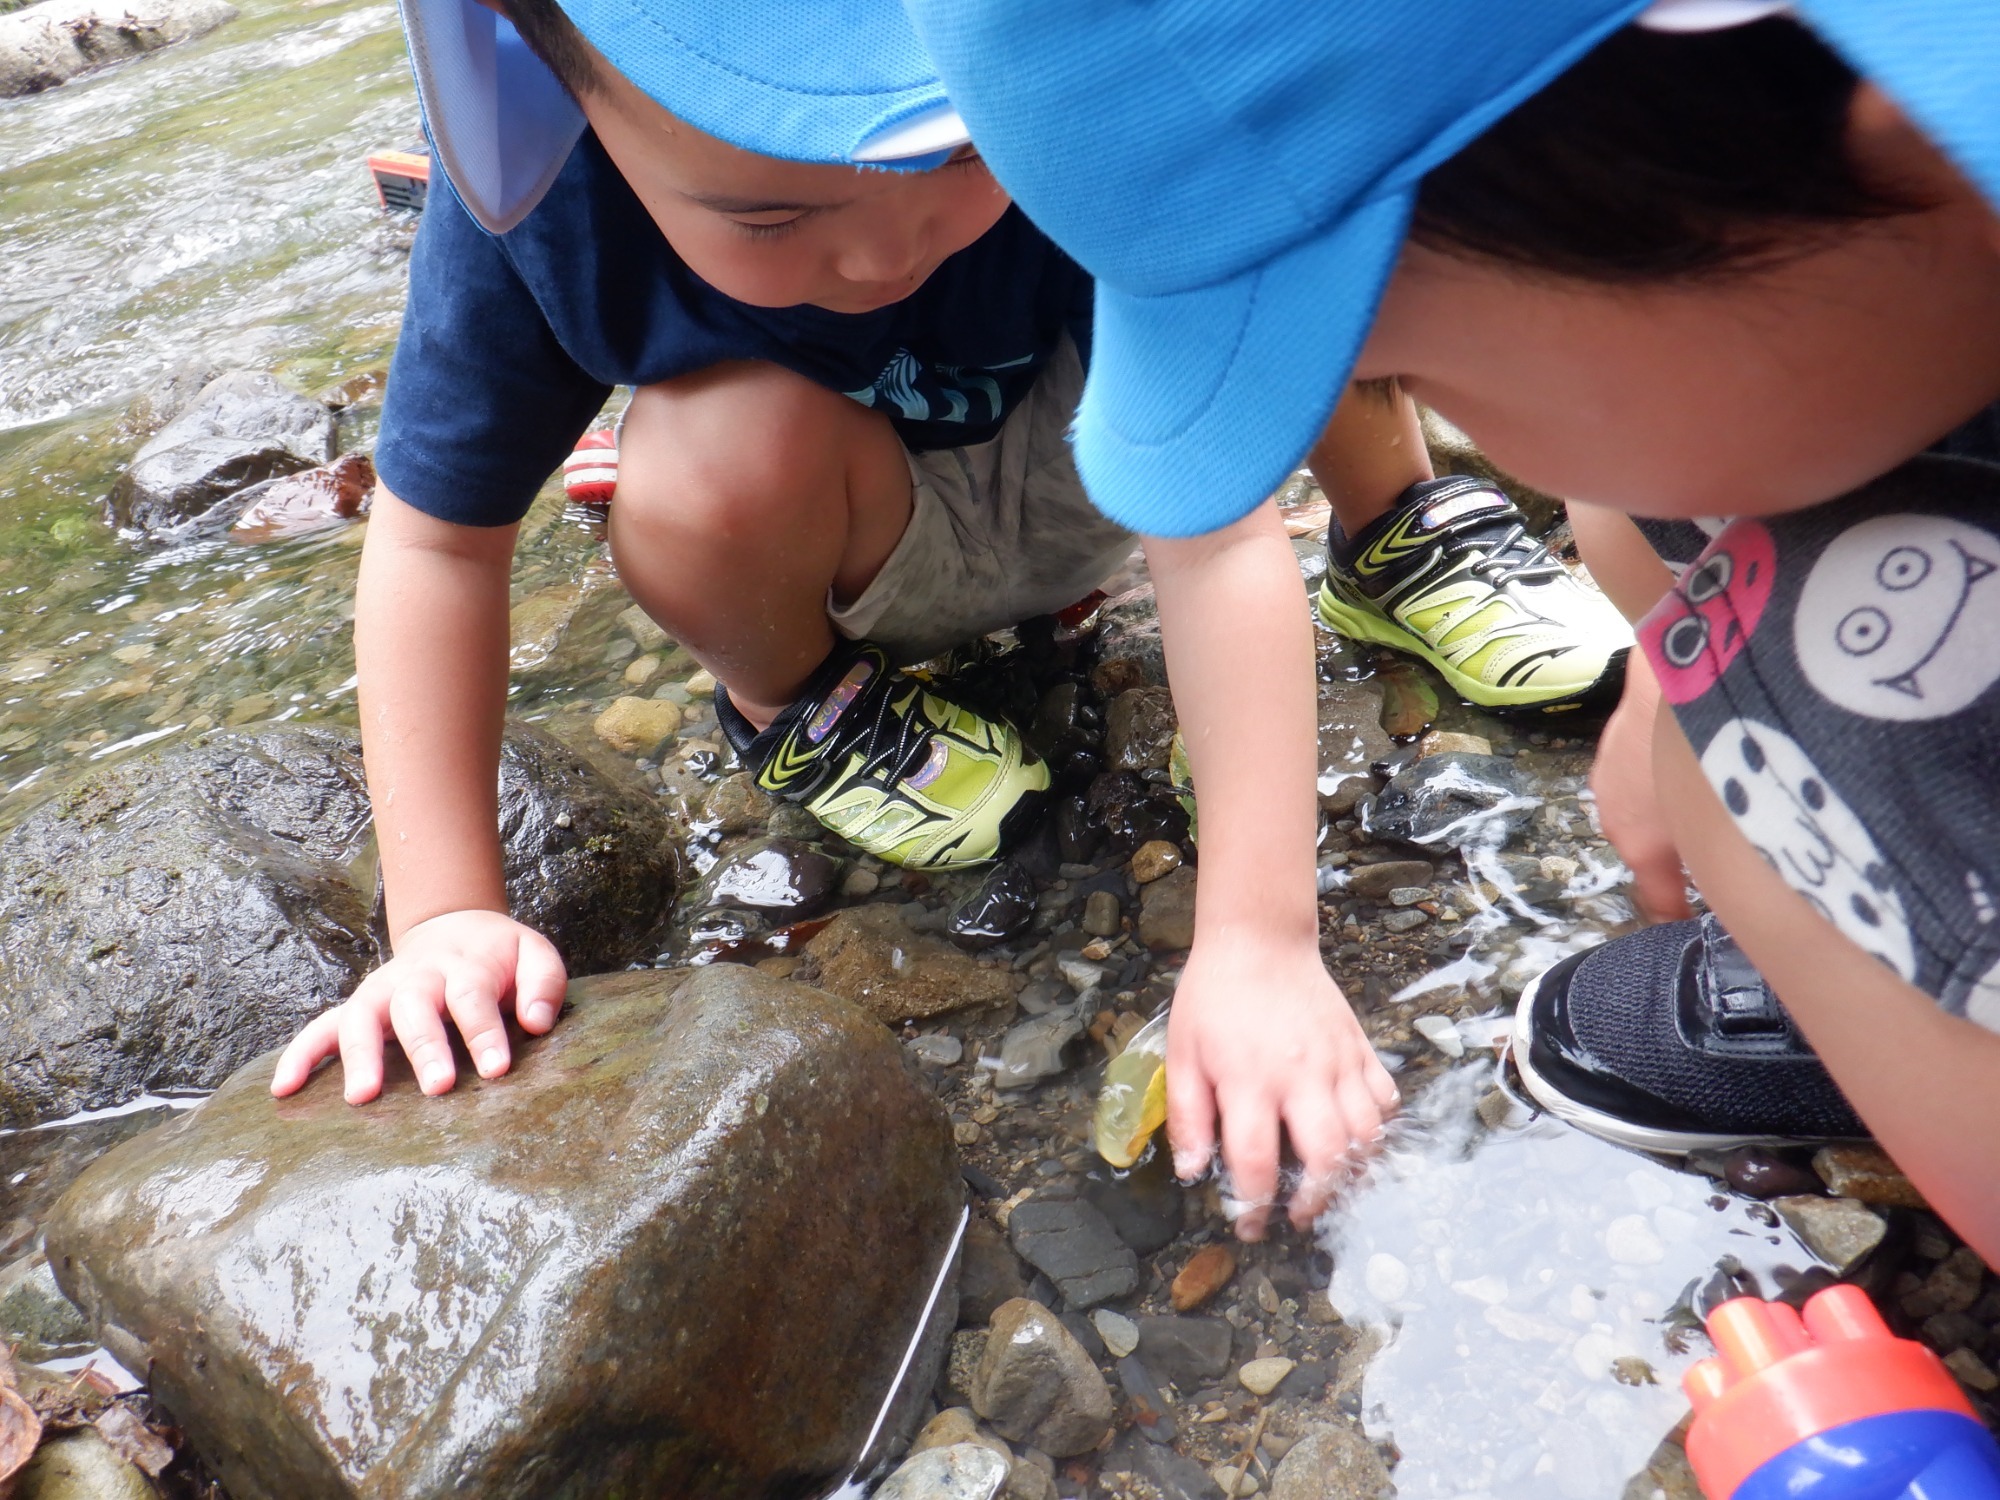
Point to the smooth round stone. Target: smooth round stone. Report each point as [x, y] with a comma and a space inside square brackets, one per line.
[1260, 1377]
[1153, 859]
[936, 1048]
[1630, 1241]
[1233, 1481]
[1120, 1333]
[1386, 1277]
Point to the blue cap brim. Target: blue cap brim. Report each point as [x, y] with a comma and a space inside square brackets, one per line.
[1200, 403]
[499, 159]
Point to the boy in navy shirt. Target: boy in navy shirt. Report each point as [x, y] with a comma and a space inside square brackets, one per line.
[854, 364]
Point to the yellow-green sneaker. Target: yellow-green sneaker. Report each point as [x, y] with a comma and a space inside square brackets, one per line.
[894, 766]
[1450, 574]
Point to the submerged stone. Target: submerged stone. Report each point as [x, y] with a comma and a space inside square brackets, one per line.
[245, 427]
[870, 955]
[582, 1279]
[165, 919]
[1451, 801]
[998, 908]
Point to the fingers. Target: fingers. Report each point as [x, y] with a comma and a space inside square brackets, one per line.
[319, 1040]
[1324, 1140]
[1660, 886]
[1250, 1150]
[540, 982]
[473, 1000]
[360, 1028]
[1190, 1119]
[415, 1010]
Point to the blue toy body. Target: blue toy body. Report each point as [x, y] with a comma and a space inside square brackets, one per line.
[1900, 1455]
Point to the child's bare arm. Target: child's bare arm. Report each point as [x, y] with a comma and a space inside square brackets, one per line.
[1631, 573]
[1926, 1083]
[1261, 1035]
[430, 644]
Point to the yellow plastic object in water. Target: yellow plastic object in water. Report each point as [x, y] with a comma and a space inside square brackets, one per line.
[1132, 1104]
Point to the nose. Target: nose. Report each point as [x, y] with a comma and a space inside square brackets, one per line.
[884, 254]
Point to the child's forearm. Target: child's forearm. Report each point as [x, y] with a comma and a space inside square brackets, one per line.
[1240, 653]
[1619, 559]
[430, 648]
[1926, 1083]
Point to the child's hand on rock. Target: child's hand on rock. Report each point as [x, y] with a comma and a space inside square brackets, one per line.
[464, 964]
[1262, 1037]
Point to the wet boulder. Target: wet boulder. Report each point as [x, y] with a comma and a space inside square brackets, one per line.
[680, 1250]
[244, 428]
[166, 918]
[42, 46]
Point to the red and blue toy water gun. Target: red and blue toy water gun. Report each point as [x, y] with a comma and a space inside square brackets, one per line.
[1830, 1405]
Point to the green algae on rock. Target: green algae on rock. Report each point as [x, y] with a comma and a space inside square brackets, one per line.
[679, 1251]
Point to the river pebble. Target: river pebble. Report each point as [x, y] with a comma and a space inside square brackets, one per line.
[1153, 859]
[1838, 1230]
[636, 726]
[1207, 1272]
[1036, 1384]
[964, 1471]
[1120, 1333]
[1260, 1377]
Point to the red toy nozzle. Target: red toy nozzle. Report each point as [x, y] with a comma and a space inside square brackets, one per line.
[1779, 1379]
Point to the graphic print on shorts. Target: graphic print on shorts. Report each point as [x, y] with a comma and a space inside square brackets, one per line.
[1813, 839]
[1707, 618]
[1900, 617]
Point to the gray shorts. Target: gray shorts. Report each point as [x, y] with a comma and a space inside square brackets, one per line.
[999, 531]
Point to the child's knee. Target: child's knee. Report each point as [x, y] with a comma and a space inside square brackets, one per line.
[734, 451]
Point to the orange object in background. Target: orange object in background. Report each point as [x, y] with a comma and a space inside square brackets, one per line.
[402, 179]
[1830, 1404]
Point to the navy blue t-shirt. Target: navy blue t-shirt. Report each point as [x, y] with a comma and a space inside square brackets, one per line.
[511, 343]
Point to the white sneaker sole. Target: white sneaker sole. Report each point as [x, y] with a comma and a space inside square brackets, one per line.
[1620, 1132]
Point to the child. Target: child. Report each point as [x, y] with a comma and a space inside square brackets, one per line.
[844, 452]
[1693, 269]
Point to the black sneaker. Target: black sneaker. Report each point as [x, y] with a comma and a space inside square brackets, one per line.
[1667, 1041]
[893, 765]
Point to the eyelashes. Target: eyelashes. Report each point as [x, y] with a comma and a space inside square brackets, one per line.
[767, 231]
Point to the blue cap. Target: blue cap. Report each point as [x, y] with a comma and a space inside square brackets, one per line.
[1239, 175]
[834, 81]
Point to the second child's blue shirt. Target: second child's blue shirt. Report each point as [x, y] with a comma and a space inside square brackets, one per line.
[511, 343]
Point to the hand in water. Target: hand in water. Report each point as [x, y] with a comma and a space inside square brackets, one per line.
[461, 964]
[1262, 1037]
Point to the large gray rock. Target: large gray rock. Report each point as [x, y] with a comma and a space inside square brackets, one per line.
[245, 427]
[165, 919]
[48, 44]
[680, 1250]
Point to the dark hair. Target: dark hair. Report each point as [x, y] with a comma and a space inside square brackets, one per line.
[552, 36]
[1662, 156]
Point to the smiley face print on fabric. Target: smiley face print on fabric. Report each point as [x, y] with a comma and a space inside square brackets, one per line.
[1810, 836]
[1900, 617]
[1706, 619]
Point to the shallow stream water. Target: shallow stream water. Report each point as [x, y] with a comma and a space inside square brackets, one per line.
[208, 206]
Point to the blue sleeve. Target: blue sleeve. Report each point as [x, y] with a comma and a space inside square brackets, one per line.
[483, 403]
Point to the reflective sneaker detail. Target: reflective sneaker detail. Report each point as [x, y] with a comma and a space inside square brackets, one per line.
[1450, 574]
[894, 766]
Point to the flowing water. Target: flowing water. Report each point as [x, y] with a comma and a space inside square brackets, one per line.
[205, 207]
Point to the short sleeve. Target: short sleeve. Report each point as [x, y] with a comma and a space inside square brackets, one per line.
[483, 403]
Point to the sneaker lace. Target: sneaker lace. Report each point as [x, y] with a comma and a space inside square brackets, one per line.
[892, 744]
[1516, 558]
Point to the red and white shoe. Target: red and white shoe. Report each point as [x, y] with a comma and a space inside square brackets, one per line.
[590, 475]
